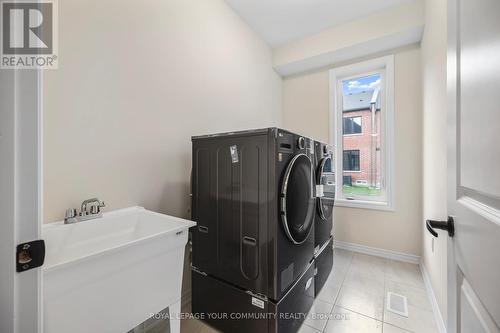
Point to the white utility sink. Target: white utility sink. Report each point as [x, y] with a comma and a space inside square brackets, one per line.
[109, 274]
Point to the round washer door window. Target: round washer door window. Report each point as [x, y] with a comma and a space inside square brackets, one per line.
[326, 178]
[297, 202]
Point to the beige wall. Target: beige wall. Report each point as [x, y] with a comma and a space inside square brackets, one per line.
[434, 144]
[306, 110]
[135, 82]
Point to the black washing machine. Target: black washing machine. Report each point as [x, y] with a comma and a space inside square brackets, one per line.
[325, 193]
[323, 264]
[253, 201]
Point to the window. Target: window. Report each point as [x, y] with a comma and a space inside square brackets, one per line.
[351, 160]
[352, 125]
[362, 129]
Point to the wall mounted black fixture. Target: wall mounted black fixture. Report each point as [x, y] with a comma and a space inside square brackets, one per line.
[30, 255]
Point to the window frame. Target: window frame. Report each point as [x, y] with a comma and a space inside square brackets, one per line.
[352, 117]
[385, 67]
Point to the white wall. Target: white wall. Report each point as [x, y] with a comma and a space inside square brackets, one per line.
[306, 110]
[434, 144]
[386, 29]
[135, 81]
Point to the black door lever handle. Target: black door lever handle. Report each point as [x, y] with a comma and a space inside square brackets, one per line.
[448, 225]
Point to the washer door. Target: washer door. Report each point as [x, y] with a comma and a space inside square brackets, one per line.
[297, 201]
[325, 177]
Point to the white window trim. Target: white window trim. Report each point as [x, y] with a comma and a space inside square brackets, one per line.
[387, 134]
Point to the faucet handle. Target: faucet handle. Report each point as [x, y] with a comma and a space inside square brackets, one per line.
[70, 216]
[96, 209]
[70, 212]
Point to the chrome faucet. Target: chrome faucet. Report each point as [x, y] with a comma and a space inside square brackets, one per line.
[90, 209]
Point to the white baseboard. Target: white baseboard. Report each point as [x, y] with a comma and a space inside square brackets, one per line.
[432, 298]
[399, 256]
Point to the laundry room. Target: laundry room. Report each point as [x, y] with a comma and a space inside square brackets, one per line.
[276, 166]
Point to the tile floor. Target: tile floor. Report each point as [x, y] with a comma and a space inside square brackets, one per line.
[354, 298]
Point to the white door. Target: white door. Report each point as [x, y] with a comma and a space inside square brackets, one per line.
[474, 165]
[20, 198]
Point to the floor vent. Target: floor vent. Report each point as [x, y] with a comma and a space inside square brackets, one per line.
[397, 303]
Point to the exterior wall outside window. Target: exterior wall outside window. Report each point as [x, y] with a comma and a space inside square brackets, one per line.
[363, 143]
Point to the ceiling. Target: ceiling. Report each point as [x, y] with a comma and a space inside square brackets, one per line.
[281, 21]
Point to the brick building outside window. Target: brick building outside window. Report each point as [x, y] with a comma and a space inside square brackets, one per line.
[361, 141]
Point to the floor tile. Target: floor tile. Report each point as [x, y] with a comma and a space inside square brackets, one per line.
[372, 262]
[362, 300]
[345, 321]
[329, 293]
[363, 274]
[338, 273]
[387, 328]
[336, 277]
[404, 273]
[418, 320]
[415, 296]
[342, 258]
[374, 268]
[319, 314]
[364, 280]
[308, 329]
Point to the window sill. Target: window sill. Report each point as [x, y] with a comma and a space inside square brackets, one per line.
[364, 204]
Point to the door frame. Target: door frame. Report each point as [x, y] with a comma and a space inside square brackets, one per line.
[452, 82]
[20, 197]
